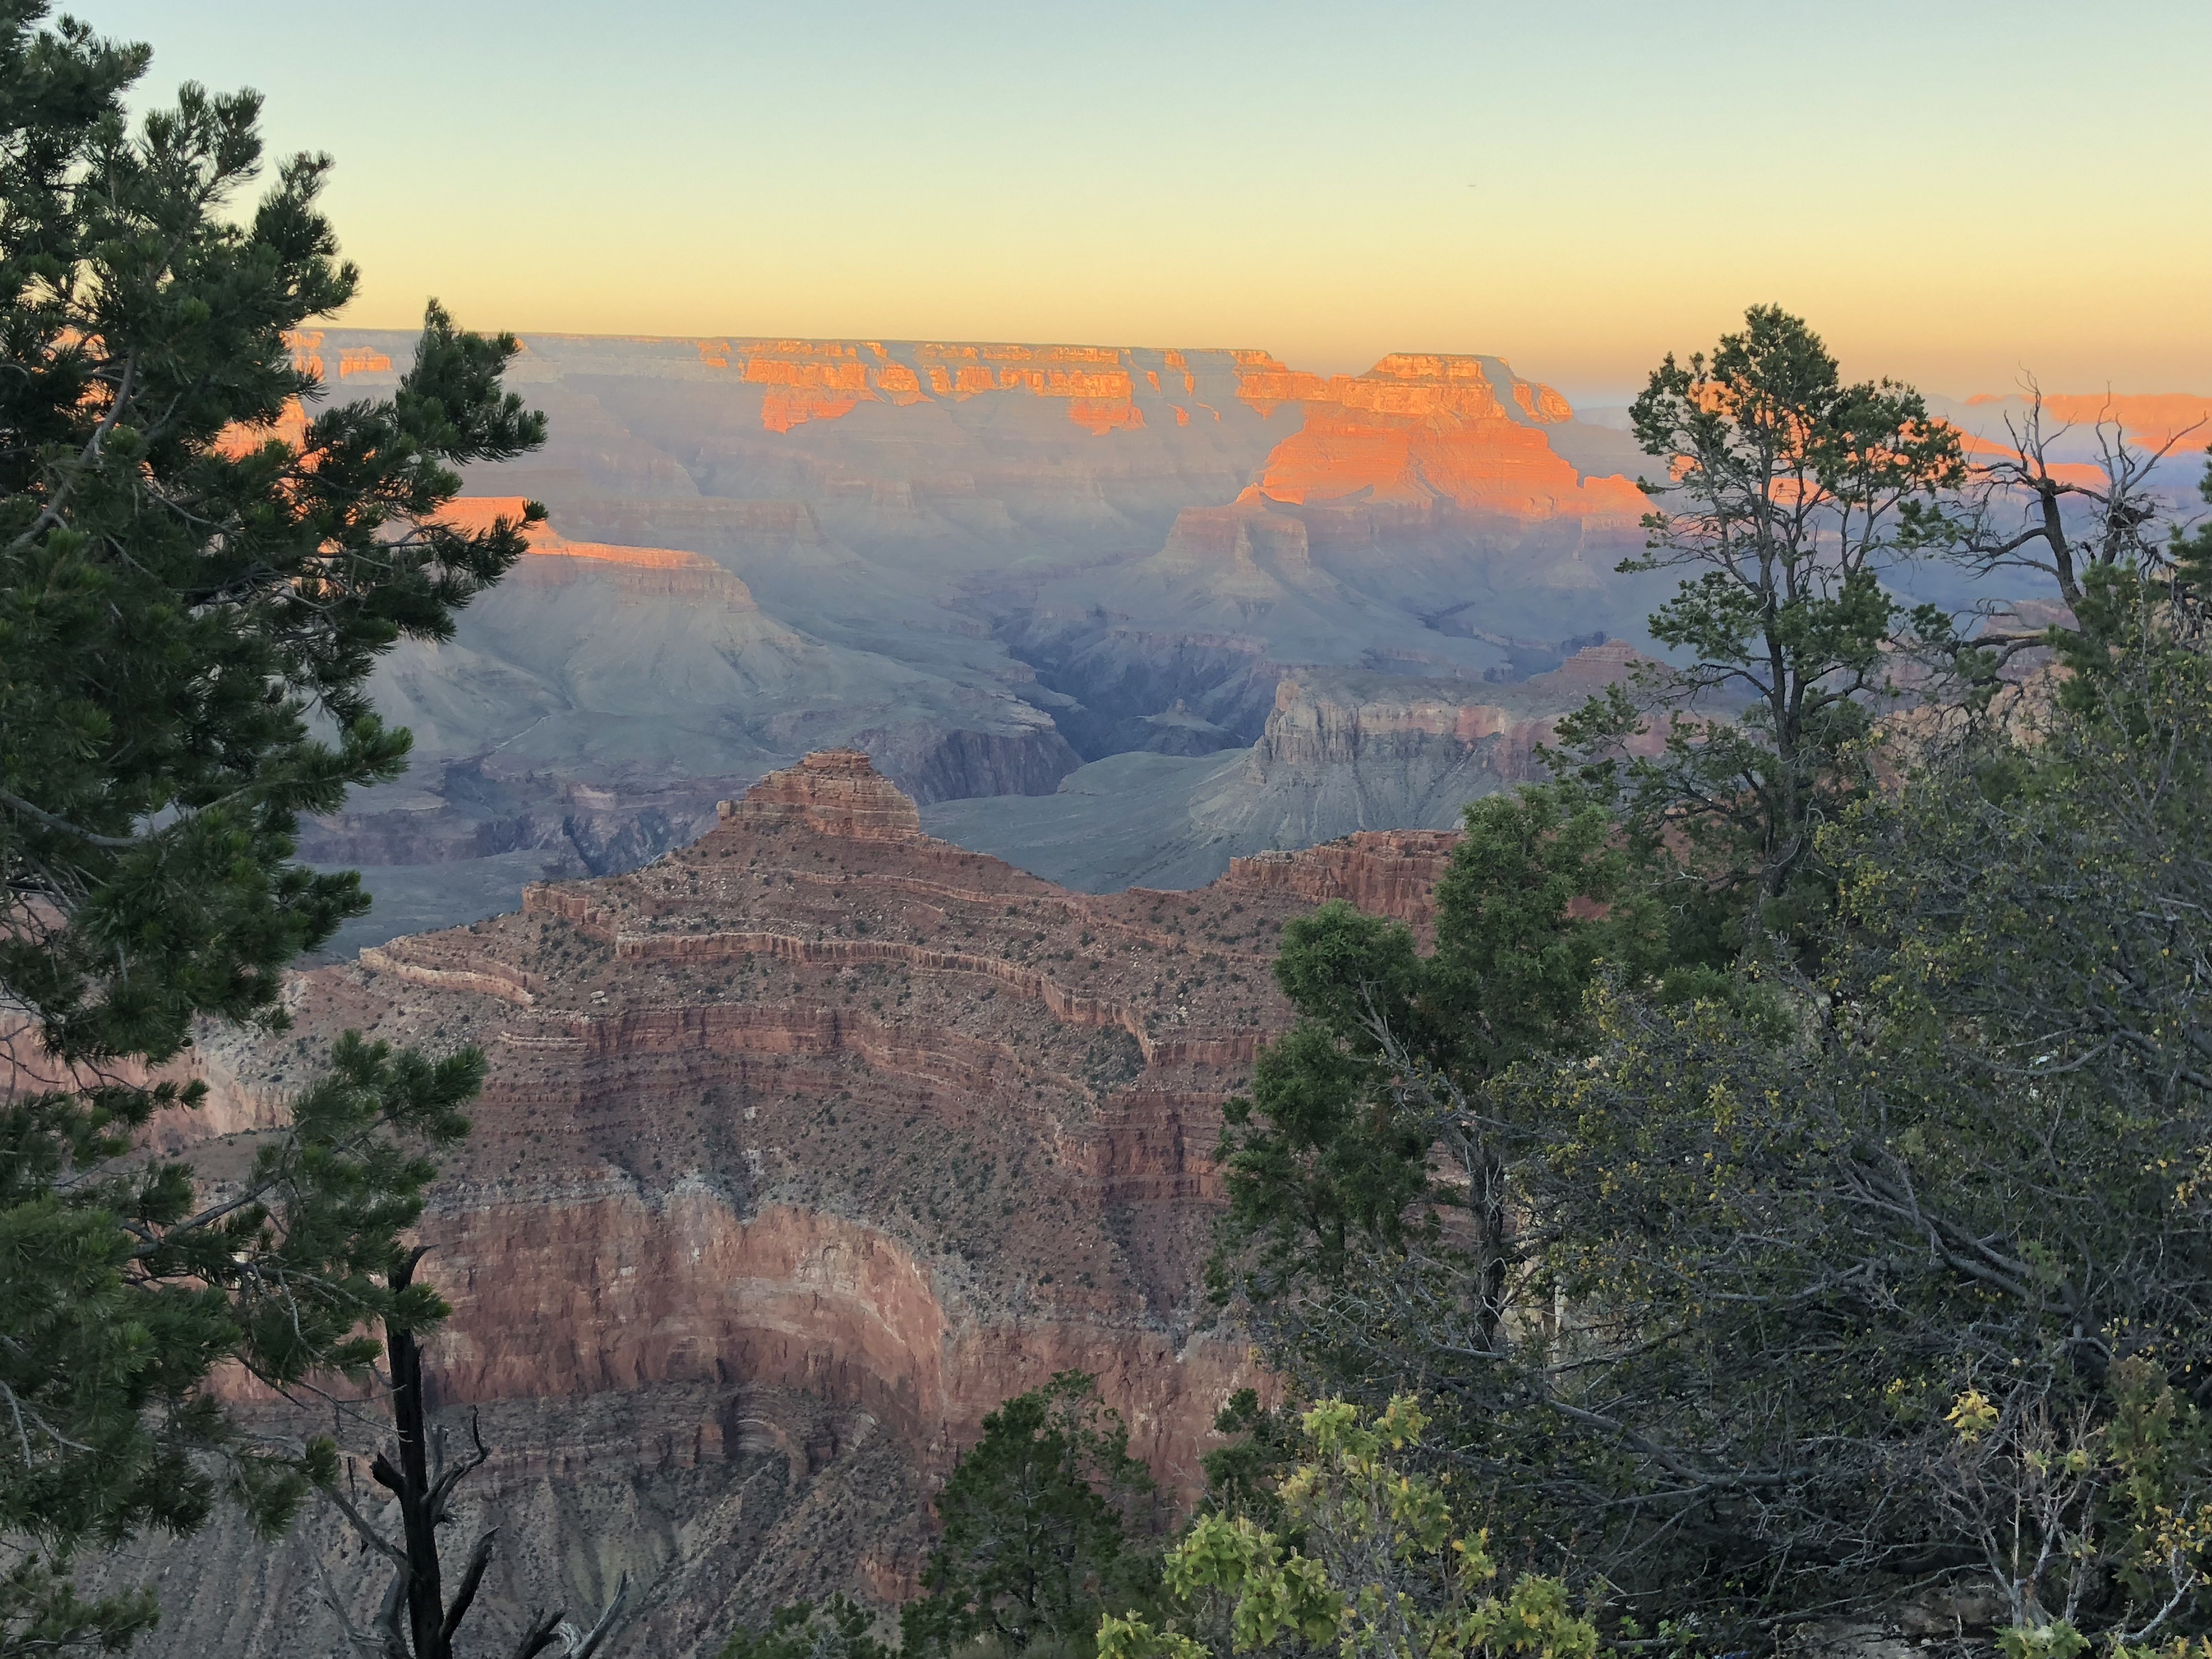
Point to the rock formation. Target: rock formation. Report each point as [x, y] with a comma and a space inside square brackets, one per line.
[983, 564]
[1432, 432]
[801, 1148]
[834, 792]
[1341, 750]
[2152, 420]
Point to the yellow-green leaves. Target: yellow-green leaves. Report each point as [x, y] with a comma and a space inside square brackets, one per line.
[1972, 1416]
[1379, 1571]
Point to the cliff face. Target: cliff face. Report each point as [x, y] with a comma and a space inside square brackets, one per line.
[1339, 751]
[1391, 872]
[2152, 420]
[1460, 433]
[1343, 751]
[821, 1126]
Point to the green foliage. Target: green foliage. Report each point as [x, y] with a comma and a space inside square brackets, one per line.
[41, 1612]
[2113, 1501]
[190, 606]
[839, 1628]
[1813, 1207]
[2189, 556]
[1241, 1477]
[1044, 1520]
[1786, 494]
[1379, 1567]
[1329, 1151]
[179, 604]
[1809, 1284]
[118, 1297]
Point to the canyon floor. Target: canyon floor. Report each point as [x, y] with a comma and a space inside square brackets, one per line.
[802, 1147]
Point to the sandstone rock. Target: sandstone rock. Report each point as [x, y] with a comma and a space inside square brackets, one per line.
[1432, 431]
[1392, 873]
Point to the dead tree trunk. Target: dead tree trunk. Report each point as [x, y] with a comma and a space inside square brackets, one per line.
[415, 1620]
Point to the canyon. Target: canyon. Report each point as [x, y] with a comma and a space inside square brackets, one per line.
[1055, 578]
[988, 565]
[802, 1147]
[858, 833]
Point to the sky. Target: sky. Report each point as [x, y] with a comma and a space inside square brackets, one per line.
[1954, 192]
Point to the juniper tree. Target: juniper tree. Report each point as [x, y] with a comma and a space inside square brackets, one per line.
[1784, 496]
[1038, 1517]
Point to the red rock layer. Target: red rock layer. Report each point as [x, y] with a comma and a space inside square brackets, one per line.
[834, 792]
[1429, 432]
[637, 572]
[827, 380]
[2151, 420]
[822, 1103]
[1392, 873]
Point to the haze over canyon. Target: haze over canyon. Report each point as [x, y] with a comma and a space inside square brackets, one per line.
[1116, 614]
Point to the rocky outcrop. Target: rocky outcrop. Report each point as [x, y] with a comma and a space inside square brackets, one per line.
[834, 793]
[1432, 433]
[1387, 722]
[1391, 872]
[801, 1149]
[1384, 752]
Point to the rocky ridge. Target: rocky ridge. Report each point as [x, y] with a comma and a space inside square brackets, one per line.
[1342, 751]
[801, 1148]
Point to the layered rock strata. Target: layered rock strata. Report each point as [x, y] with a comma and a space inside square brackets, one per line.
[819, 1121]
[1340, 753]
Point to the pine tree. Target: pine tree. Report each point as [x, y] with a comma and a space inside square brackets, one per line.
[1037, 1519]
[200, 560]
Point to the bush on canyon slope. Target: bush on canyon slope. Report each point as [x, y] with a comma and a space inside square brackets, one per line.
[1365, 1554]
[1809, 1283]
[195, 581]
[1046, 1523]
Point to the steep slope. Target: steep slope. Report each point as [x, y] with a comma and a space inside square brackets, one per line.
[801, 1148]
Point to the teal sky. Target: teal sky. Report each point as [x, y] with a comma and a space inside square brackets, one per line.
[1955, 191]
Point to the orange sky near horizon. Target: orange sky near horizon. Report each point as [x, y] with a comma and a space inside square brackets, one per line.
[1957, 194]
